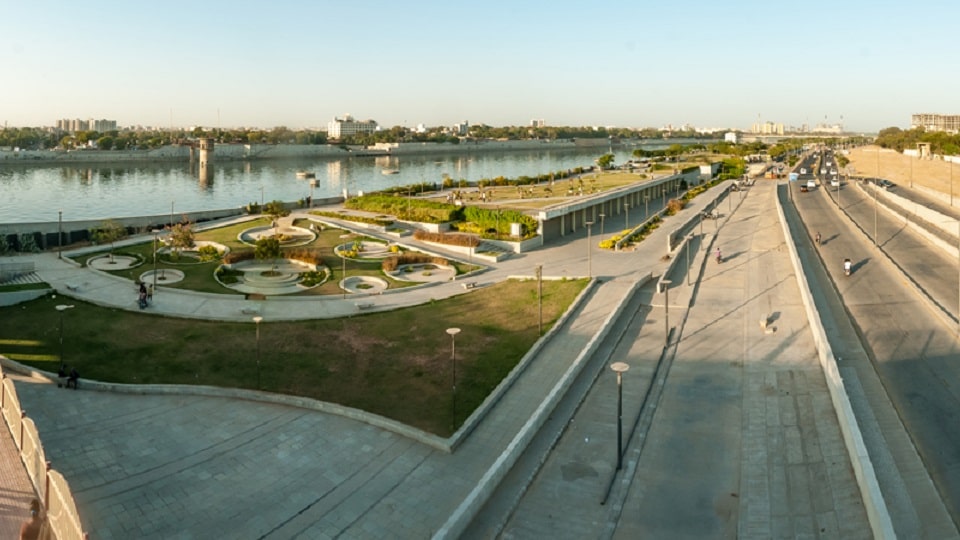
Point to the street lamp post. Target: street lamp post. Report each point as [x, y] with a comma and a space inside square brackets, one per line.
[646, 207]
[155, 233]
[258, 319]
[666, 310]
[453, 362]
[261, 199]
[61, 308]
[589, 252]
[619, 368]
[540, 298]
[876, 186]
[59, 233]
[171, 213]
[689, 242]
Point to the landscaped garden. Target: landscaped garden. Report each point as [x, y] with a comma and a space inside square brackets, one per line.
[396, 364]
[222, 256]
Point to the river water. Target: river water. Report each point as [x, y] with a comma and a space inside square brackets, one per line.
[35, 193]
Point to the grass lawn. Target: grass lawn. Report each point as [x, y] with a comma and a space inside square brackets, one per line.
[396, 364]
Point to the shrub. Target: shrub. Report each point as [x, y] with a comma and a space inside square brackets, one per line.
[463, 240]
[675, 205]
[208, 253]
[228, 276]
[307, 255]
[407, 208]
[392, 263]
[238, 255]
[357, 219]
[310, 279]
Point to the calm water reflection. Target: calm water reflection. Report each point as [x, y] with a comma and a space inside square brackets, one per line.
[33, 193]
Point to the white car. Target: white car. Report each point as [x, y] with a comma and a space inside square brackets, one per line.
[811, 184]
[835, 182]
[803, 171]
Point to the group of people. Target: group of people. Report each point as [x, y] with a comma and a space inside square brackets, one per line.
[145, 295]
[847, 263]
[65, 380]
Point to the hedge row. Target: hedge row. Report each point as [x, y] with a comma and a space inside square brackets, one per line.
[354, 218]
[392, 263]
[307, 255]
[464, 240]
[407, 208]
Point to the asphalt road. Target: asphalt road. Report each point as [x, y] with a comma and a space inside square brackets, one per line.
[913, 352]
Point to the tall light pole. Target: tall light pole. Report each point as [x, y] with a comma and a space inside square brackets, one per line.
[453, 362]
[540, 298]
[876, 186]
[666, 310]
[619, 368]
[61, 308]
[258, 319]
[171, 213]
[261, 199]
[155, 233]
[689, 242]
[589, 252]
[59, 233]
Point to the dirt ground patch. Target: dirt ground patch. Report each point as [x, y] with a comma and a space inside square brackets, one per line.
[905, 170]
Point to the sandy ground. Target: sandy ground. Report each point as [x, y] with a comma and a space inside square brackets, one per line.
[904, 170]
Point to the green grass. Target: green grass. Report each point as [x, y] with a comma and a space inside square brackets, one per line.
[396, 364]
[24, 287]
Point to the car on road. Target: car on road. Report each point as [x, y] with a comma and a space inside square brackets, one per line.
[835, 182]
[811, 184]
[885, 184]
[803, 171]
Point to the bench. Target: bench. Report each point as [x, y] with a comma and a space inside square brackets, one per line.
[72, 286]
[468, 285]
[362, 307]
[250, 311]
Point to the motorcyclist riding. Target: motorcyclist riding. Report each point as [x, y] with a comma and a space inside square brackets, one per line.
[818, 238]
[719, 256]
[846, 266]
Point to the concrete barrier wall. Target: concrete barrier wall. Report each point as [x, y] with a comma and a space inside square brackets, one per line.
[50, 486]
[877, 514]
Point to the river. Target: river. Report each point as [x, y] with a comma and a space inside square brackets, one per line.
[35, 193]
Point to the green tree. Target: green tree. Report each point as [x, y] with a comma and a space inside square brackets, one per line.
[275, 210]
[605, 161]
[109, 232]
[268, 248]
[181, 238]
[105, 143]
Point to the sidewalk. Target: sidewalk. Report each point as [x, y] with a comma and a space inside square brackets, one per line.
[16, 491]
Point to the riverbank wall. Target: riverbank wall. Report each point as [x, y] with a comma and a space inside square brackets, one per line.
[233, 152]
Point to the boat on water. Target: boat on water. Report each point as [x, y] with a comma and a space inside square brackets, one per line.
[389, 171]
[303, 175]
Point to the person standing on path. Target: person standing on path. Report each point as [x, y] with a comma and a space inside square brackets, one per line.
[31, 529]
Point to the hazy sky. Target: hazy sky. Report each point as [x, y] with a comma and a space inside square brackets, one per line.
[623, 63]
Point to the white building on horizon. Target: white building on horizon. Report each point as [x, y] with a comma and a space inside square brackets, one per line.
[347, 126]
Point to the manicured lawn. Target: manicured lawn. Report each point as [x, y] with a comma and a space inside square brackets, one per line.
[396, 364]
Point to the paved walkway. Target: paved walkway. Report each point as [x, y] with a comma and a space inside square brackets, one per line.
[738, 439]
[190, 466]
[16, 491]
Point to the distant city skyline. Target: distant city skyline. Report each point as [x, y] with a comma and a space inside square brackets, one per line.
[300, 64]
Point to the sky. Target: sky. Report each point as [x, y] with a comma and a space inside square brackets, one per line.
[632, 63]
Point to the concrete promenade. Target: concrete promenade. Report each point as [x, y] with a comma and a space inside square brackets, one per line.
[193, 466]
[738, 438]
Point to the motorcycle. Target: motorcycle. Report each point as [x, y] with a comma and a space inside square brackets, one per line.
[846, 267]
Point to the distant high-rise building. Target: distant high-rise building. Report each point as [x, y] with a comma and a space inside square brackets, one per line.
[538, 123]
[75, 124]
[936, 122]
[461, 129]
[767, 128]
[346, 126]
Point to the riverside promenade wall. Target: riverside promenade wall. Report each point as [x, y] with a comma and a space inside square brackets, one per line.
[227, 152]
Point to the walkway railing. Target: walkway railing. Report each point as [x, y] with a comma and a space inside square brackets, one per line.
[51, 487]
